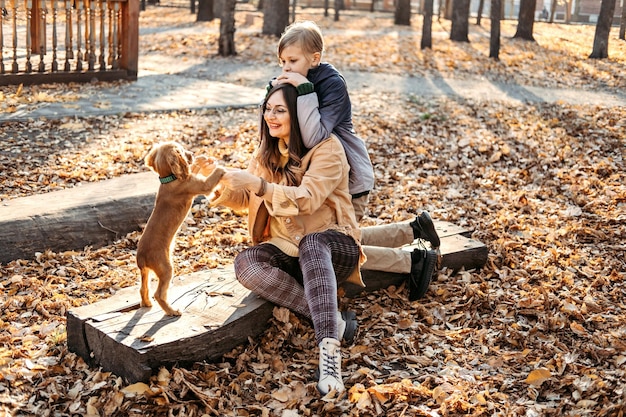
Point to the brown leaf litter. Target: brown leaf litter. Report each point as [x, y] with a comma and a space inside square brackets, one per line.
[539, 331]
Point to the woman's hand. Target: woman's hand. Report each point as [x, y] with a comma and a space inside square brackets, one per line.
[236, 179]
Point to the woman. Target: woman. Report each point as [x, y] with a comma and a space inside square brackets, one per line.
[303, 227]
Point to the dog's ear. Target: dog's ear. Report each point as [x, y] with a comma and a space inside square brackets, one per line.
[150, 158]
[178, 163]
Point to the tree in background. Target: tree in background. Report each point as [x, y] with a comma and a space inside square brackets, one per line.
[275, 16]
[338, 6]
[622, 25]
[205, 11]
[576, 15]
[448, 7]
[427, 26]
[494, 40]
[479, 13]
[526, 20]
[603, 29]
[227, 29]
[568, 10]
[460, 21]
[403, 13]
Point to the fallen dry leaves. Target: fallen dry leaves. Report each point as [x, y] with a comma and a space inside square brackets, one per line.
[540, 331]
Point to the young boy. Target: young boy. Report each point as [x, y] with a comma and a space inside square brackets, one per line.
[329, 110]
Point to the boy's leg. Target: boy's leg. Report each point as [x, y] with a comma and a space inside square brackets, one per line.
[418, 266]
[393, 260]
[395, 235]
[391, 235]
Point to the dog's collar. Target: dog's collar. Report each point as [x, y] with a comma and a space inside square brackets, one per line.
[168, 179]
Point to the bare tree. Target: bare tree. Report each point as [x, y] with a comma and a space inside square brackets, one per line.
[494, 40]
[526, 20]
[622, 25]
[553, 10]
[603, 29]
[275, 16]
[403, 13]
[460, 20]
[227, 29]
[205, 11]
[338, 6]
[427, 27]
[447, 8]
[479, 13]
[576, 11]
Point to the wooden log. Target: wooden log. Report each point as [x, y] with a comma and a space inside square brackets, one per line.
[218, 315]
[91, 214]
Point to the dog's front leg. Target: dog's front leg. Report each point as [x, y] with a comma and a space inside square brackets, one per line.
[213, 179]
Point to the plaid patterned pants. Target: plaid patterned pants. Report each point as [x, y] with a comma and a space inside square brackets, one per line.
[306, 284]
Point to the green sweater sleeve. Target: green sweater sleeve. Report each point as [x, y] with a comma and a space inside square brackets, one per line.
[306, 88]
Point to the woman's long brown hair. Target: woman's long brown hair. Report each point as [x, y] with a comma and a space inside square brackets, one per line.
[269, 155]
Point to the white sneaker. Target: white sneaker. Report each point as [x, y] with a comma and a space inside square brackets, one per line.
[330, 367]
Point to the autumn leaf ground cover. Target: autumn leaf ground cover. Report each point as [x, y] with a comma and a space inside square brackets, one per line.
[539, 331]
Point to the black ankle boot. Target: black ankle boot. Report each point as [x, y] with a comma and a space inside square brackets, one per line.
[423, 228]
[423, 266]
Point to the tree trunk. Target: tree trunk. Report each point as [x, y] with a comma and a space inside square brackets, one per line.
[275, 16]
[427, 27]
[479, 13]
[526, 20]
[227, 29]
[403, 13]
[553, 10]
[576, 16]
[205, 11]
[622, 25]
[603, 28]
[447, 8]
[460, 21]
[338, 6]
[494, 40]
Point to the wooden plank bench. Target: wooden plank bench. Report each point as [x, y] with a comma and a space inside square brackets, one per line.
[218, 315]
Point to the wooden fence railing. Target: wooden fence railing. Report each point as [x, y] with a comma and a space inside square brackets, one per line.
[47, 41]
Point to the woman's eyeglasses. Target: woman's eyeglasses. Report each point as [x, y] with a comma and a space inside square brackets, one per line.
[277, 111]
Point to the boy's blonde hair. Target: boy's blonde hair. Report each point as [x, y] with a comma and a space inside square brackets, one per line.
[306, 34]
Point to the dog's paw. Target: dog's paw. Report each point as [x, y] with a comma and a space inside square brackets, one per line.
[172, 312]
[203, 165]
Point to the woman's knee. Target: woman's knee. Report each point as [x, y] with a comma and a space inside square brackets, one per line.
[314, 240]
[243, 264]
